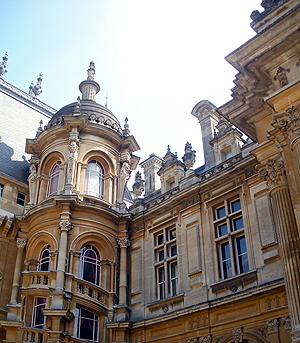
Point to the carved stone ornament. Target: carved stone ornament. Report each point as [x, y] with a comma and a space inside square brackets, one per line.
[3, 68]
[281, 76]
[189, 156]
[74, 143]
[36, 90]
[272, 325]
[288, 122]
[126, 131]
[286, 321]
[205, 339]
[21, 242]
[238, 335]
[273, 172]
[138, 186]
[65, 224]
[32, 179]
[192, 340]
[123, 242]
[125, 171]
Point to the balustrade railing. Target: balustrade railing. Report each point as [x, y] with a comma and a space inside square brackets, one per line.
[31, 335]
[36, 278]
[92, 291]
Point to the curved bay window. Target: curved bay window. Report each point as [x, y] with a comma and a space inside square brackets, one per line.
[44, 259]
[89, 264]
[94, 179]
[86, 325]
[53, 179]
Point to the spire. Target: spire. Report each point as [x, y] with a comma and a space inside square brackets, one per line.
[89, 88]
[3, 68]
[126, 131]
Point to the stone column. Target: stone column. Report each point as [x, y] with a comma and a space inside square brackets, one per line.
[64, 225]
[273, 172]
[124, 243]
[21, 242]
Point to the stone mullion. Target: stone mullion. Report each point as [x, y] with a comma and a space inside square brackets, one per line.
[289, 248]
[296, 149]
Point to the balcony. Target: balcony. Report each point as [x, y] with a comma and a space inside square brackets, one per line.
[31, 335]
[93, 292]
[36, 278]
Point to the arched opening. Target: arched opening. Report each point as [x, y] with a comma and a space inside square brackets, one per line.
[44, 259]
[94, 179]
[53, 181]
[89, 264]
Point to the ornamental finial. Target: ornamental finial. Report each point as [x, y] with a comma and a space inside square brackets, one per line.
[91, 71]
[126, 131]
[36, 89]
[3, 68]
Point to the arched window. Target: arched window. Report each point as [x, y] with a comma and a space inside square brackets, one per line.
[94, 179]
[44, 259]
[89, 264]
[53, 179]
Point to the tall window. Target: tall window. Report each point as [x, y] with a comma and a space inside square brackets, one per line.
[20, 199]
[165, 252]
[86, 325]
[53, 179]
[89, 264]
[44, 259]
[94, 179]
[1, 189]
[38, 319]
[230, 239]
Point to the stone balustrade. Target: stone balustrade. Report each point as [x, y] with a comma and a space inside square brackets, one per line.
[36, 278]
[32, 335]
[95, 293]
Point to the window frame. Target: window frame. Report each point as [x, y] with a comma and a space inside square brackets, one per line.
[77, 326]
[54, 178]
[1, 189]
[37, 310]
[44, 260]
[232, 215]
[96, 262]
[91, 175]
[164, 242]
[21, 197]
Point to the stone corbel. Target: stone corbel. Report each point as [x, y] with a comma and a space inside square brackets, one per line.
[272, 326]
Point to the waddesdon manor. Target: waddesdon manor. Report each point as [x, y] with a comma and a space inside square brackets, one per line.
[208, 254]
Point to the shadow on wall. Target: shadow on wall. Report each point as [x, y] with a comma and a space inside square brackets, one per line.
[17, 169]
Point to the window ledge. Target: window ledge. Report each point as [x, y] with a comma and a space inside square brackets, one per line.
[165, 302]
[93, 199]
[233, 282]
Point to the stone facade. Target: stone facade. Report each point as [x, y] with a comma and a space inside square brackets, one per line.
[205, 255]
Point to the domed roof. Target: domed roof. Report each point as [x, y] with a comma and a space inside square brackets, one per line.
[95, 113]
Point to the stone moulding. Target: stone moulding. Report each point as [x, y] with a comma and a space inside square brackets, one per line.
[165, 302]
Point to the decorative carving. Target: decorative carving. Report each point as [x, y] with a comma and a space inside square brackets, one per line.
[3, 67]
[138, 186]
[91, 71]
[123, 242]
[126, 131]
[238, 335]
[189, 156]
[205, 339]
[32, 178]
[288, 122]
[191, 324]
[281, 75]
[137, 228]
[36, 89]
[192, 340]
[165, 308]
[234, 288]
[74, 143]
[272, 172]
[39, 129]
[65, 224]
[286, 321]
[190, 202]
[77, 107]
[21, 242]
[272, 325]
[269, 304]
[125, 171]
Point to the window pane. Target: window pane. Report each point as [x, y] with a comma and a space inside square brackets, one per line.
[86, 325]
[94, 179]
[44, 259]
[242, 254]
[1, 189]
[89, 264]
[160, 255]
[221, 212]
[37, 314]
[226, 260]
[235, 205]
[159, 239]
[171, 234]
[20, 199]
[173, 250]
[222, 230]
[53, 179]
[238, 223]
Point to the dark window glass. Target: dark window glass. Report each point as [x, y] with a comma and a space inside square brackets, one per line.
[222, 230]
[235, 205]
[242, 254]
[21, 199]
[53, 179]
[238, 223]
[44, 259]
[160, 239]
[226, 260]
[86, 325]
[161, 283]
[89, 264]
[1, 189]
[173, 250]
[161, 255]
[221, 212]
[38, 318]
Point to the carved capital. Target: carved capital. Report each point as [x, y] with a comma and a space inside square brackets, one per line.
[192, 340]
[286, 321]
[272, 325]
[237, 335]
[123, 242]
[205, 339]
[65, 224]
[273, 172]
[288, 122]
[21, 242]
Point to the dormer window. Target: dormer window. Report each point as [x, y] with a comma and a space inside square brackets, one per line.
[53, 179]
[94, 179]
[227, 154]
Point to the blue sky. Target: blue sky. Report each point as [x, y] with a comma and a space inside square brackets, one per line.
[156, 59]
